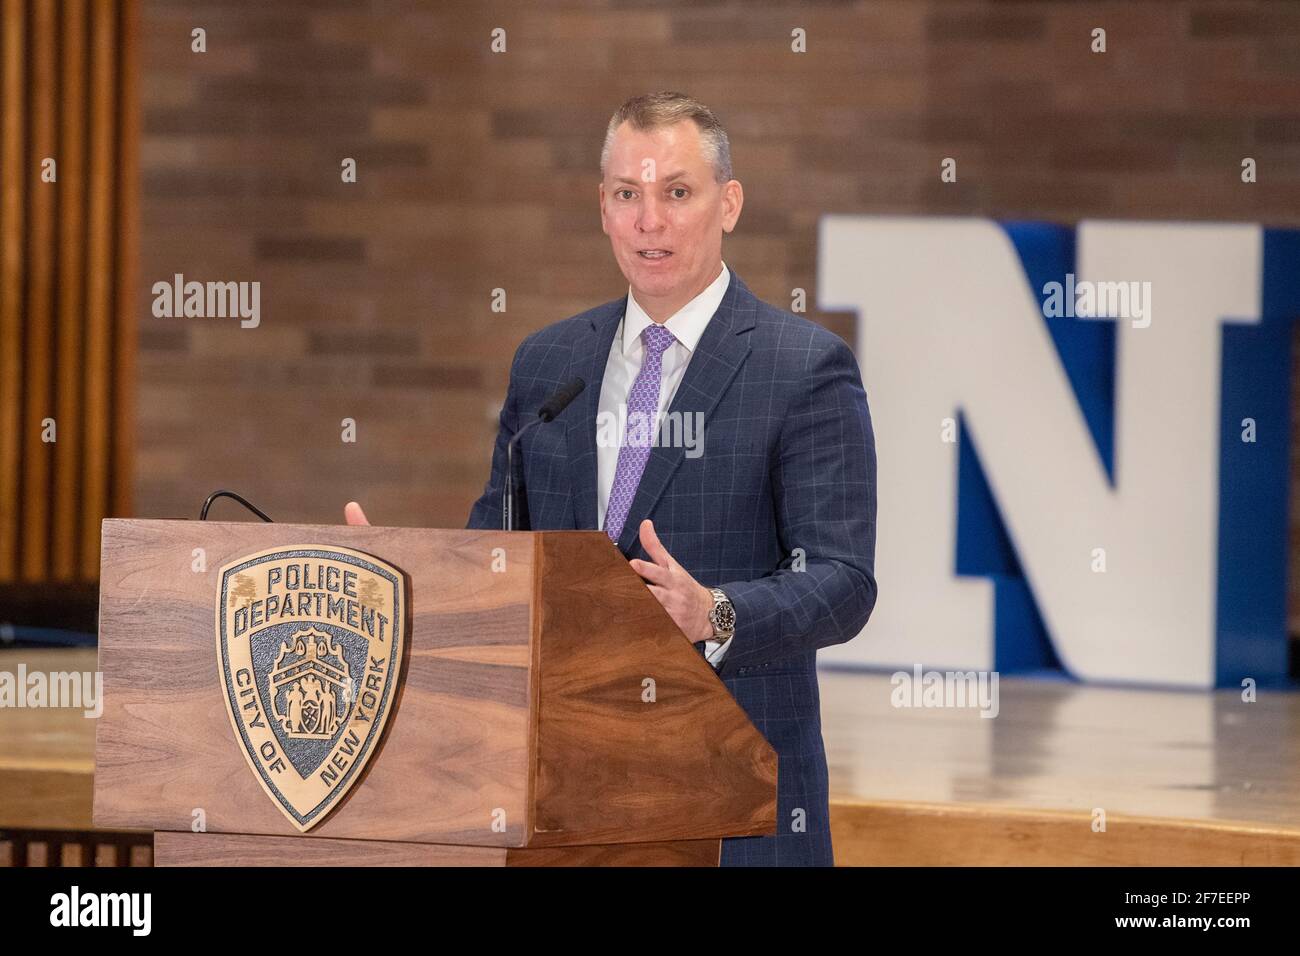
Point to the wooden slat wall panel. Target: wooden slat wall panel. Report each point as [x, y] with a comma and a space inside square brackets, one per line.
[126, 264]
[72, 147]
[38, 372]
[95, 417]
[67, 337]
[11, 280]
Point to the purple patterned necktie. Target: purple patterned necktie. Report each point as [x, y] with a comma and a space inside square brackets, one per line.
[642, 404]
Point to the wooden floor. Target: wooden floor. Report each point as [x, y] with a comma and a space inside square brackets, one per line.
[47, 756]
[47, 763]
[1183, 777]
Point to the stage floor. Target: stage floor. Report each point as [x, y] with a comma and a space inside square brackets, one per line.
[1059, 750]
[1184, 777]
[1064, 746]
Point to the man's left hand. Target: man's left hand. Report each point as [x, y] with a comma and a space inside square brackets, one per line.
[687, 601]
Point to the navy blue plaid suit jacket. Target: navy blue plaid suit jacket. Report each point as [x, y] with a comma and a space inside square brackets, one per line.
[779, 511]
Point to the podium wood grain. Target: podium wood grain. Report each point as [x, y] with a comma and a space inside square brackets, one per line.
[233, 849]
[551, 702]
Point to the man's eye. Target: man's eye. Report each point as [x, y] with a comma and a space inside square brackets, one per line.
[680, 189]
[622, 191]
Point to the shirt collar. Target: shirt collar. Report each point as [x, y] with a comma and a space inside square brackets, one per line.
[687, 325]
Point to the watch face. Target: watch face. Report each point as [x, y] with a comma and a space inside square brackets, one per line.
[723, 616]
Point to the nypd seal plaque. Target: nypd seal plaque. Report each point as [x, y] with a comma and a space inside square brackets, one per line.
[310, 641]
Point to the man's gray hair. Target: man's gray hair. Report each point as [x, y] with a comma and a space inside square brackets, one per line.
[666, 108]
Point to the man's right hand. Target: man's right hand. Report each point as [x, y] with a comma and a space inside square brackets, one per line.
[353, 514]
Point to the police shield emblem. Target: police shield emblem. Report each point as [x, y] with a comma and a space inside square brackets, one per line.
[310, 641]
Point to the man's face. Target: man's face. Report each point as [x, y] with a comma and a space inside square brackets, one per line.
[665, 214]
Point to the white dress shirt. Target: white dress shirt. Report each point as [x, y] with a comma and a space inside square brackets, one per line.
[625, 355]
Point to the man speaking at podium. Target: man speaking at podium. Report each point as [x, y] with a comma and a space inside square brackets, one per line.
[759, 544]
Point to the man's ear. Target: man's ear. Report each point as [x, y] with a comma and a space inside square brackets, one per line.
[604, 226]
[733, 198]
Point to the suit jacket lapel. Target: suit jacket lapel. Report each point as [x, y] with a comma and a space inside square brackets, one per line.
[590, 355]
[717, 358]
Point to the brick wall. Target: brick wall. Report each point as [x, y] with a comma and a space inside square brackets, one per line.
[478, 171]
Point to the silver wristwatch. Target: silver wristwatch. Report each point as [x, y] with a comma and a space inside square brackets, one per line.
[722, 617]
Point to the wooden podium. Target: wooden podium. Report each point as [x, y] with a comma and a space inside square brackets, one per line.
[546, 712]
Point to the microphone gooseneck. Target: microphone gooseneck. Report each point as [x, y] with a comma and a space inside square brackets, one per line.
[553, 406]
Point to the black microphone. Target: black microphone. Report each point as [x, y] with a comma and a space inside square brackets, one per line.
[560, 400]
[554, 405]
